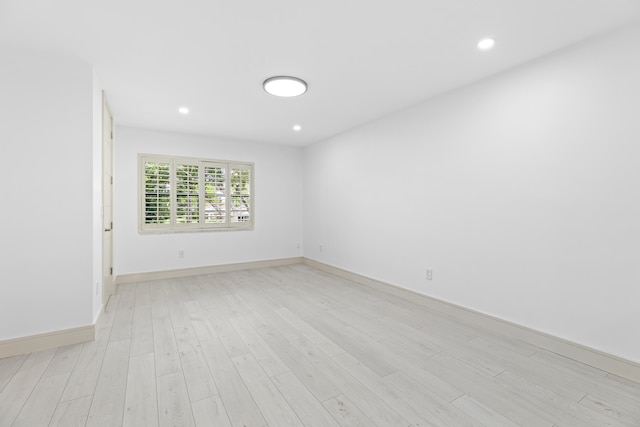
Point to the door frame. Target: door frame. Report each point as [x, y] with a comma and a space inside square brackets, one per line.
[107, 201]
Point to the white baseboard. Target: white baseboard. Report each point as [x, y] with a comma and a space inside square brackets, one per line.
[596, 358]
[23, 345]
[186, 272]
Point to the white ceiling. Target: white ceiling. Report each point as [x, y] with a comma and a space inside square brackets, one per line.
[362, 58]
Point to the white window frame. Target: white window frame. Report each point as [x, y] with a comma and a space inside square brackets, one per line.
[174, 226]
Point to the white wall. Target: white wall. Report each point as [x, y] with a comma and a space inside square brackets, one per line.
[521, 192]
[46, 215]
[278, 205]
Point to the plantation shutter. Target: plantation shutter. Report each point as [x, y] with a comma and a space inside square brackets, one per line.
[187, 194]
[215, 193]
[240, 194]
[157, 194]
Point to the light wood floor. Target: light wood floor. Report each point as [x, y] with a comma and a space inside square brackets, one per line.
[292, 346]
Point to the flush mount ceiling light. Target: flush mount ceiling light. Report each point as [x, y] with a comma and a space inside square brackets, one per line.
[486, 44]
[183, 110]
[297, 128]
[285, 86]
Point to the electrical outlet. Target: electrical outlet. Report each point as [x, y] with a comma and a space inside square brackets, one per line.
[429, 275]
[321, 247]
[181, 253]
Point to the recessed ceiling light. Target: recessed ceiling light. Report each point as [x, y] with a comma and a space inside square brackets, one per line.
[297, 128]
[285, 86]
[486, 44]
[183, 110]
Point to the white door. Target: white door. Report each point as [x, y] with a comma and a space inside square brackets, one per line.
[107, 201]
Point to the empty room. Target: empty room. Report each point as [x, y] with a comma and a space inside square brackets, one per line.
[320, 214]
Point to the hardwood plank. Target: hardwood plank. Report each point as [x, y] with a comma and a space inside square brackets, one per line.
[143, 295]
[199, 321]
[268, 359]
[407, 352]
[506, 344]
[410, 334]
[511, 402]
[558, 381]
[423, 384]
[571, 384]
[197, 375]
[347, 413]
[174, 408]
[372, 329]
[141, 406]
[308, 409]
[205, 285]
[624, 414]
[605, 390]
[64, 360]
[362, 347]
[310, 333]
[262, 312]
[19, 388]
[227, 334]
[210, 412]
[72, 413]
[107, 408]
[87, 369]
[428, 410]
[142, 333]
[42, 403]
[122, 326]
[273, 406]
[237, 400]
[482, 413]
[367, 401]
[8, 367]
[182, 327]
[165, 347]
[479, 359]
[158, 298]
[311, 376]
[584, 414]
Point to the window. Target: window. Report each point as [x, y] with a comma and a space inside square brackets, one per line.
[185, 194]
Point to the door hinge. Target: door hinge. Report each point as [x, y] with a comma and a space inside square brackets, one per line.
[110, 271]
[111, 180]
[111, 225]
